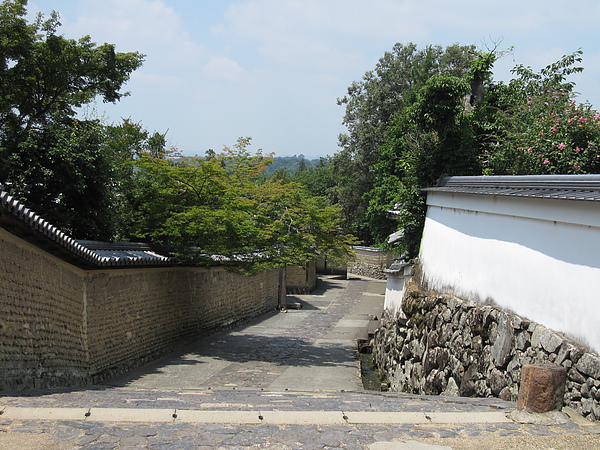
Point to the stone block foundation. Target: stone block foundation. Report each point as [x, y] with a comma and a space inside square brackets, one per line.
[443, 345]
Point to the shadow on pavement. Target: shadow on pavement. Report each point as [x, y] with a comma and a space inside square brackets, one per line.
[279, 345]
[278, 350]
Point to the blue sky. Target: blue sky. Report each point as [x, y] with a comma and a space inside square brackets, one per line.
[273, 69]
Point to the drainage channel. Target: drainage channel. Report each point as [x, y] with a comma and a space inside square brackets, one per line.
[368, 373]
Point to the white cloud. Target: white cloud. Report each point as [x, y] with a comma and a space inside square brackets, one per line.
[268, 19]
[272, 69]
[147, 26]
[325, 34]
[164, 82]
[222, 67]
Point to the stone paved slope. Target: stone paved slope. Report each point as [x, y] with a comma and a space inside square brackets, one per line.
[287, 381]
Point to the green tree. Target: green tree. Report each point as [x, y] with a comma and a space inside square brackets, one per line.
[472, 125]
[550, 134]
[48, 155]
[438, 134]
[460, 123]
[69, 182]
[224, 205]
[319, 181]
[45, 75]
[371, 104]
[123, 144]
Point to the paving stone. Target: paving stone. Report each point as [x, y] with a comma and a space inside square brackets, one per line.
[540, 431]
[65, 434]
[508, 426]
[108, 439]
[384, 436]
[85, 440]
[95, 446]
[353, 446]
[27, 429]
[133, 441]
[420, 434]
[473, 433]
[255, 395]
[509, 433]
[448, 434]
[78, 425]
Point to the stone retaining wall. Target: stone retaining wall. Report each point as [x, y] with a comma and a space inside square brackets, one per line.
[442, 345]
[370, 262]
[64, 326]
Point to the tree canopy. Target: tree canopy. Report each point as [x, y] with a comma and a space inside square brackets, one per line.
[45, 76]
[370, 106]
[50, 158]
[454, 122]
[98, 181]
[418, 115]
[224, 206]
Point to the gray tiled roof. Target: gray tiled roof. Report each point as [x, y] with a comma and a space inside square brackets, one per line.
[564, 187]
[20, 220]
[126, 253]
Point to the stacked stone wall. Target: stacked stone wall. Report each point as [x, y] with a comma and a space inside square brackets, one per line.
[139, 313]
[370, 262]
[63, 326]
[442, 345]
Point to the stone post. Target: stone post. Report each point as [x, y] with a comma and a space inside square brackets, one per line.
[542, 388]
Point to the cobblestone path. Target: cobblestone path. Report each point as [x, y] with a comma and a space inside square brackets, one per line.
[285, 381]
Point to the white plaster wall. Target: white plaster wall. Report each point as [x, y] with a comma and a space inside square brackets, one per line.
[394, 289]
[544, 270]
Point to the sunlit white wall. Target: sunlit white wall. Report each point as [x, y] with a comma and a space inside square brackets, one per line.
[539, 258]
[394, 288]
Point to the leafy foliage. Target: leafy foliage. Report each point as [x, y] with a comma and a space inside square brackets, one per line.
[550, 134]
[289, 165]
[69, 181]
[53, 161]
[432, 136]
[469, 125]
[419, 115]
[123, 144]
[542, 129]
[318, 181]
[224, 205]
[371, 106]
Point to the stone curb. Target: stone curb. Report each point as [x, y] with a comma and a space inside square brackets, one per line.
[249, 417]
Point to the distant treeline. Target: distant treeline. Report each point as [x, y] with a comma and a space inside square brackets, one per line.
[291, 164]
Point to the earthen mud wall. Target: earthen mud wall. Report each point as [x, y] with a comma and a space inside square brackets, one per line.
[64, 326]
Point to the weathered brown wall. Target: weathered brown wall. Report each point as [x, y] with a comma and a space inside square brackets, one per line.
[139, 312]
[42, 326]
[61, 325]
[301, 279]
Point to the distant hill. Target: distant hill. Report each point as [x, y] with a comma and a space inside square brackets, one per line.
[290, 163]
